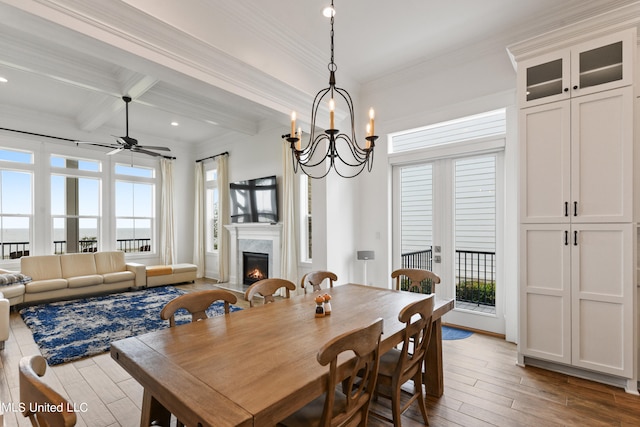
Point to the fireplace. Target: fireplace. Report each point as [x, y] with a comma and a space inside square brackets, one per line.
[255, 266]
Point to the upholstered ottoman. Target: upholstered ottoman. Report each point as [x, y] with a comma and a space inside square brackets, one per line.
[159, 275]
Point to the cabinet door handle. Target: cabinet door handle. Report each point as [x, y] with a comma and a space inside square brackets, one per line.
[575, 238]
[566, 89]
[575, 208]
[566, 238]
[575, 87]
[566, 208]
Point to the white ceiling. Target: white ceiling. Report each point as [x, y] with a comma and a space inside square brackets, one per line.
[218, 67]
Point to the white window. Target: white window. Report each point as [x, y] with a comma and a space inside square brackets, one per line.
[75, 204]
[16, 202]
[211, 210]
[305, 219]
[135, 208]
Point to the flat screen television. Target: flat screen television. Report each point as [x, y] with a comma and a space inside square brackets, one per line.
[254, 200]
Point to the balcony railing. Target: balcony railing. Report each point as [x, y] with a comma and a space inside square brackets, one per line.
[475, 274]
[14, 250]
[60, 246]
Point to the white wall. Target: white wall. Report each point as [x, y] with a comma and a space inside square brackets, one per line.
[250, 156]
[427, 94]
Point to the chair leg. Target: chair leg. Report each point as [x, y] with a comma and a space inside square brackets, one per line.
[396, 406]
[419, 390]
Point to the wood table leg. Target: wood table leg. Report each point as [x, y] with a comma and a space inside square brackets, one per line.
[434, 377]
[153, 411]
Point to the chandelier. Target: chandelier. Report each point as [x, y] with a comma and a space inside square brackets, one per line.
[331, 149]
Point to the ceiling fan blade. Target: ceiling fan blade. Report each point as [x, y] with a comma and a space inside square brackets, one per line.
[103, 145]
[117, 150]
[152, 147]
[120, 140]
[140, 150]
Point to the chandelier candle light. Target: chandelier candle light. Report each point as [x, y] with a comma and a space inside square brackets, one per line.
[348, 161]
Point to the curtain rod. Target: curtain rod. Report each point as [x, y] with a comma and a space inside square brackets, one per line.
[226, 153]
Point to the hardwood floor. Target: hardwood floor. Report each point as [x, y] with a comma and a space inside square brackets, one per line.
[483, 387]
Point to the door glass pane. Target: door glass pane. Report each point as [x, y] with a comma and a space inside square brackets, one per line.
[475, 233]
[416, 215]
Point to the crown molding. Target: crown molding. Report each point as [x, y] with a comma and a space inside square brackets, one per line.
[605, 23]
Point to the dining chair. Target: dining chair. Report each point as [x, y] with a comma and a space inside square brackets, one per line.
[416, 276]
[36, 396]
[397, 366]
[197, 303]
[336, 408]
[268, 287]
[315, 278]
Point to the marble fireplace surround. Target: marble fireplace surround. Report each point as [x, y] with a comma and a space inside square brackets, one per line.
[253, 237]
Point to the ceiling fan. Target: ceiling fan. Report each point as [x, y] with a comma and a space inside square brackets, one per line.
[126, 142]
[122, 142]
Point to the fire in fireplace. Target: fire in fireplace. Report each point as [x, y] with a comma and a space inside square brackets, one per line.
[255, 266]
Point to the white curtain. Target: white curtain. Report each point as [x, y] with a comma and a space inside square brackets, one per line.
[289, 260]
[224, 215]
[167, 227]
[199, 221]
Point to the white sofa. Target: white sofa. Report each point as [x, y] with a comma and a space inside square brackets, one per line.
[74, 275]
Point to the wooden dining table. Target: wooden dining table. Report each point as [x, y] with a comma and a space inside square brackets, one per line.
[256, 366]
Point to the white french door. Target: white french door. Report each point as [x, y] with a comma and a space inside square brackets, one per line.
[447, 213]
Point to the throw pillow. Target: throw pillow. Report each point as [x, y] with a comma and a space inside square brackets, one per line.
[7, 279]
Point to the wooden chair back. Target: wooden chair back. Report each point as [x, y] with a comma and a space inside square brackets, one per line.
[314, 279]
[358, 379]
[268, 287]
[35, 394]
[197, 303]
[418, 332]
[416, 276]
[399, 366]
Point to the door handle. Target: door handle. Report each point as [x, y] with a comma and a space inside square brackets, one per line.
[566, 238]
[575, 208]
[575, 238]
[566, 208]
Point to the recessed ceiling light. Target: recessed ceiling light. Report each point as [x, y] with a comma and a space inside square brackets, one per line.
[3, 80]
[329, 11]
[174, 123]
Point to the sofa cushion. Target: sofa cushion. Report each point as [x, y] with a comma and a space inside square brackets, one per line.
[183, 268]
[159, 270]
[108, 262]
[74, 265]
[118, 276]
[7, 279]
[82, 281]
[45, 285]
[41, 267]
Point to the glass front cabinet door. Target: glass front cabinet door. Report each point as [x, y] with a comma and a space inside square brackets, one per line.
[600, 64]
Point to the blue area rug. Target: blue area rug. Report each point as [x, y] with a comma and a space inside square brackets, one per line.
[70, 330]
[449, 333]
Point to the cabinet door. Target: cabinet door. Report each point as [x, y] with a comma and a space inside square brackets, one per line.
[544, 79]
[602, 64]
[602, 157]
[603, 295]
[545, 142]
[545, 292]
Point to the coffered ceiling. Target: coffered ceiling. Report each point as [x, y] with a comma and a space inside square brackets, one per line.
[224, 67]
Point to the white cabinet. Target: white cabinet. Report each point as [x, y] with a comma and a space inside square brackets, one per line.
[577, 159]
[575, 285]
[601, 64]
[578, 296]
